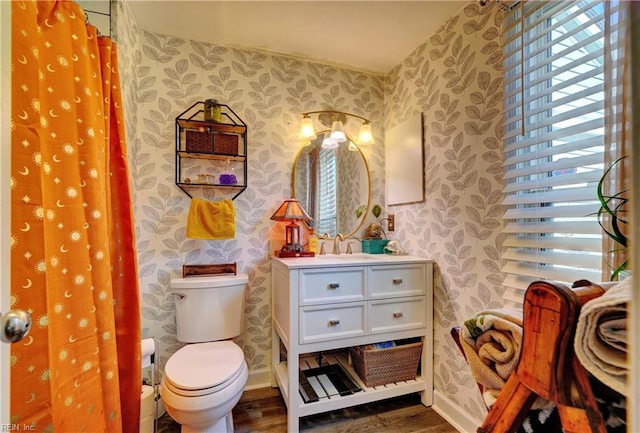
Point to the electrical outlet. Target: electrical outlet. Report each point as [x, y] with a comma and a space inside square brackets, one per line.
[391, 222]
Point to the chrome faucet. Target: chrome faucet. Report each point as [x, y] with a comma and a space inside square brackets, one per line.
[336, 243]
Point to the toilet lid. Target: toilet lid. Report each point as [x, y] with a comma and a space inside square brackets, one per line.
[203, 365]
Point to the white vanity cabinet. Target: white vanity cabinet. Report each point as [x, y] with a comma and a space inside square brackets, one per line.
[325, 303]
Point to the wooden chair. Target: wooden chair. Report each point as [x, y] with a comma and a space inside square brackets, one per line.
[548, 366]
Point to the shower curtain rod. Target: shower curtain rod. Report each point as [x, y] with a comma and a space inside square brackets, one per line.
[105, 14]
[505, 5]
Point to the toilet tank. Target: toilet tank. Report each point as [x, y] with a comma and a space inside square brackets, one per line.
[209, 308]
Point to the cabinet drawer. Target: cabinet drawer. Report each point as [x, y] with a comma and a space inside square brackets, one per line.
[399, 314]
[396, 280]
[321, 323]
[323, 286]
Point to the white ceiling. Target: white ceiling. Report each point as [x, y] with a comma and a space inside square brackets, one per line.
[368, 35]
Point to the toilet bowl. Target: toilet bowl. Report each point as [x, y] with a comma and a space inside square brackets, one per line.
[204, 380]
[201, 385]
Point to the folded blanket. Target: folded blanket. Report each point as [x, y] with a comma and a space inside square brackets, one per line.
[491, 341]
[601, 336]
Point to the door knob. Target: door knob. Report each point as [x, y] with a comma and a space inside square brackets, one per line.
[14, 325]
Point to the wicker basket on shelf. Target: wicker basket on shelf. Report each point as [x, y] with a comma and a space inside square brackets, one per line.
[382, 366]
[199, 141]
[226, 143]
[209, 142]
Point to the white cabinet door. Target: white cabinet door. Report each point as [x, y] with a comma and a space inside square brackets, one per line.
[398, 314]
[332, 285]
[397, 280]
[331, 322]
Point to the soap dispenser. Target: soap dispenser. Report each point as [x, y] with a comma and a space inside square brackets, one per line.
[313, 241]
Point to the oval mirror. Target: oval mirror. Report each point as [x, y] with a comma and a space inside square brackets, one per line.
[333, 186]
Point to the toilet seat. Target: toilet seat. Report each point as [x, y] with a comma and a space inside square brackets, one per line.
[203, 368]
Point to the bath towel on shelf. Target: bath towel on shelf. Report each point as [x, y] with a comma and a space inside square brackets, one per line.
[601, 336]
[211, 220]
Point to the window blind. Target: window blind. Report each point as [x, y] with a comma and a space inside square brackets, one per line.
[327, 194]
[553, 142]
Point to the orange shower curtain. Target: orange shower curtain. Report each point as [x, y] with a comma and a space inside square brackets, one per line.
[72, 251]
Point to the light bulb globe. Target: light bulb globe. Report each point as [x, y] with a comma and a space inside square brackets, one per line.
[366, 136]
[306, 128]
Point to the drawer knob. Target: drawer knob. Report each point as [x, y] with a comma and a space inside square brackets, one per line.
[397, 281]
[334, 285]
[397, 315]
[334, 322]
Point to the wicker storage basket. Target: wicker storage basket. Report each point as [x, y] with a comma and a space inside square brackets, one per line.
[200, 142]
[208, 142]
[382, 366]
[225, 143]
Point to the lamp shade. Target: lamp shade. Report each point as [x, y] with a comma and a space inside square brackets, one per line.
[306, 128]
[328, 142]
[291, 210]
[337, 132]
[366, 136]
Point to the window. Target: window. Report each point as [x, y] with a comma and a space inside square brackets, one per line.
[554, 119]
[327, 203]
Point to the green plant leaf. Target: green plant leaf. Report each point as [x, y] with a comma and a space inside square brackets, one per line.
[611, 216]
[616, 272]
[360, 210]
[376, 210]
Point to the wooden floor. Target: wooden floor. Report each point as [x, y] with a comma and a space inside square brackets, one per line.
[264, 411]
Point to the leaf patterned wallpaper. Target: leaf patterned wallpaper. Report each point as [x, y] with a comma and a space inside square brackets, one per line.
[163, 75]
[454, 78]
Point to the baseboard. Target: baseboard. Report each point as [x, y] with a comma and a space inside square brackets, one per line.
[259, 379]
[454, 414]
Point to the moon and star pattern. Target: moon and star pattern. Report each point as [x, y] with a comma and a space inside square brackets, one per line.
[72, 254]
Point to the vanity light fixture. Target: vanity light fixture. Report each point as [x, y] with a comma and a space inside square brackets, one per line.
[291, 210]
[306, 128]
[366, 136]
[328, 142]
[336, 119]
[337, 132]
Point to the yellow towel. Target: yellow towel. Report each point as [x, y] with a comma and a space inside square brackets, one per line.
[211, 220]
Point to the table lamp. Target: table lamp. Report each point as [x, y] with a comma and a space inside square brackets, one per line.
[291, 210]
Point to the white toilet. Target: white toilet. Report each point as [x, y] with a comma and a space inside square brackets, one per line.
[204, 380]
